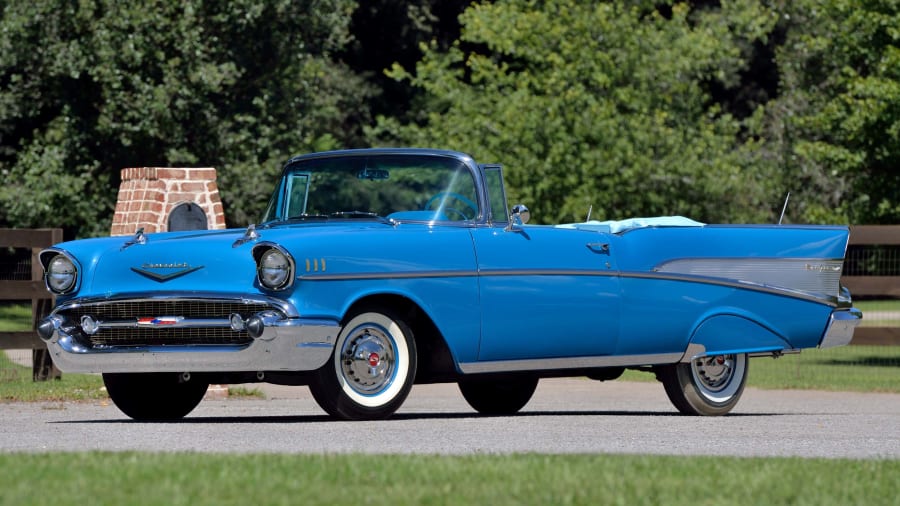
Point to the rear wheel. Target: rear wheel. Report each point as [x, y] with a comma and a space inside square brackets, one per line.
[493, 396]
[154, 396]
[371, 370]
[706, 386]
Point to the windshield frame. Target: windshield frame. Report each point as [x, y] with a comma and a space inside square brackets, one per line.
[276, 209]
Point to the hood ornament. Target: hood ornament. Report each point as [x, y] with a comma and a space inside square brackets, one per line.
[249, 235]
[138, 238]
[165, 272]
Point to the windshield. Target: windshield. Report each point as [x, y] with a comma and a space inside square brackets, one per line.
[398, 187]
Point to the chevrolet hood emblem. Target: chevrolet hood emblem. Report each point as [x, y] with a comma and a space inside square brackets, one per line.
[165, 272]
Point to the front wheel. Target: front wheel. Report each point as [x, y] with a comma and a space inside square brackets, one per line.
[498, 396]
[371, 370]
[154, 396]
[706, 386]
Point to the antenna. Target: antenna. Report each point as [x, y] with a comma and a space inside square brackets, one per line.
[591, 208]
[783, 209]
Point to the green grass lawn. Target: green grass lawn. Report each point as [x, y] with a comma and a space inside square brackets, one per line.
[850, 368]
[192, 479]
[16, 385]
[877, 305]
[879, 313]
[15, 317]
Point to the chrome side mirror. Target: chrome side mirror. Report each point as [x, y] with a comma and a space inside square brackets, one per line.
[519, 216]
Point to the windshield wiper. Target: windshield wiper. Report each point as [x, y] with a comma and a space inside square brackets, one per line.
[342, 215]
[363, 214]
[305, 216]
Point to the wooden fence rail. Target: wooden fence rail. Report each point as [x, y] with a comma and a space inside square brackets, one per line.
[886, 287]
[34, 290]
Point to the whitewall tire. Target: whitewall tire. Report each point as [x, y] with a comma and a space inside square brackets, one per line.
[708, 386]
[372, 368]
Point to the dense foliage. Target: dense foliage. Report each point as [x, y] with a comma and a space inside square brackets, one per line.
[834, 129]
[88, 88]
[708, 109]
[597, 104]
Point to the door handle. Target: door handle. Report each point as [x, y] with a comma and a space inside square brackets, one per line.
[599, 247]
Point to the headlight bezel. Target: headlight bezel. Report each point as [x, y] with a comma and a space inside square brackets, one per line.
[270, 259]
[61, 272]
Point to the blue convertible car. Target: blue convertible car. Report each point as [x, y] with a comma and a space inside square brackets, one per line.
[375, 269]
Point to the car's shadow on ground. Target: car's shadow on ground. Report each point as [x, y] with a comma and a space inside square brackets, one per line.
[400, 417]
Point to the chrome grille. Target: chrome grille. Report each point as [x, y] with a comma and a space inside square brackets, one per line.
[162, 335]
[193, 308]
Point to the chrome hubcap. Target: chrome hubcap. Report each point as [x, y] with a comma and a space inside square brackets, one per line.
[367, 360]
[714, 373]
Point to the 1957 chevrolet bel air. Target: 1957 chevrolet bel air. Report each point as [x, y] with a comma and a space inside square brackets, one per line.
[375, 269]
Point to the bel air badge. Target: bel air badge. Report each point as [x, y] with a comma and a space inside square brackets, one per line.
[165, 271]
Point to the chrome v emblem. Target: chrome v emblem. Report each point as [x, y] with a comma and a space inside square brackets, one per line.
[165, 272]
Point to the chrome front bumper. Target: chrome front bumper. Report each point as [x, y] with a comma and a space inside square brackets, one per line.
[841, 325]
[282, 341]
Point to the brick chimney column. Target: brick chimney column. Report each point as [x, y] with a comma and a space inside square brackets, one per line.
[148, 194]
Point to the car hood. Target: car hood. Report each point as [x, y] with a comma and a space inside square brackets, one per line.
[179, 261]
[204, 261]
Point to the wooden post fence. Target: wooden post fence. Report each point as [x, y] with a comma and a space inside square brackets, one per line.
[877, 286]
[33, 289]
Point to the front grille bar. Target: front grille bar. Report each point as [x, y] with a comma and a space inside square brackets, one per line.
[182, 322]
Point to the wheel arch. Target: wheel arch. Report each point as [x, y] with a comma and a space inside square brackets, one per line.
[436, 361]
[733, 332]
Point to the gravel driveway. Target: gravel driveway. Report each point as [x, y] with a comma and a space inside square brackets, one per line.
[565, 416]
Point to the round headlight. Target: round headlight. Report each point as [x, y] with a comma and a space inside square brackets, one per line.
[61, 274]
[274, 269]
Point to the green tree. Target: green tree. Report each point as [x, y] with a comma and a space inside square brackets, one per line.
[834, 130]
[88, 88]
[602, 104]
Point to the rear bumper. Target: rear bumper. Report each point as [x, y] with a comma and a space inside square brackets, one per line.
[287, 344]
[841, 325]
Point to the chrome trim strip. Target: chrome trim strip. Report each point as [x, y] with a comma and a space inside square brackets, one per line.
[548, 364]
[548, 272]
[184, 323]
[385, 275]
[830, 300]
[454, 274]
[743, 259]
[841, 325]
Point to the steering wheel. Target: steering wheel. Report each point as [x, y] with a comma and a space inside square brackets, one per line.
[445, 197]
